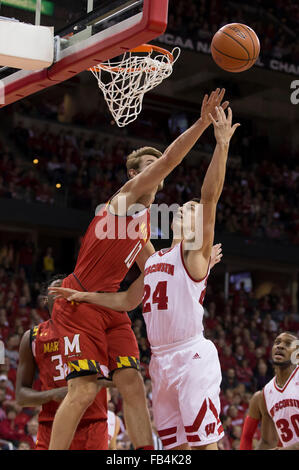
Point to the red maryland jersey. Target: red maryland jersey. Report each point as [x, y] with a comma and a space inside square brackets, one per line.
[49, 352]
[109, 248]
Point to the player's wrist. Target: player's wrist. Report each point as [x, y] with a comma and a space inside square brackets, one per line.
[223, 143]
[203, 122]
[84, 296]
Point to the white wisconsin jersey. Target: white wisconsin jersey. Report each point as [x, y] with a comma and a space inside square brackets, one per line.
[172, 299]
[111, 425]
[283, 407]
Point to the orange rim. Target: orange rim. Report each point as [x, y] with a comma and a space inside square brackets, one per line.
[142, 48]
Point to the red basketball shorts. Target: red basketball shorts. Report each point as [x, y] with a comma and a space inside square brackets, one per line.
[90, 435]
[96, 340]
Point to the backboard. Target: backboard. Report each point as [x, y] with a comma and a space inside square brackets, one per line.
[87, 32]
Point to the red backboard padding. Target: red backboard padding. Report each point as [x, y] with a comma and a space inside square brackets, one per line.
[152, 25]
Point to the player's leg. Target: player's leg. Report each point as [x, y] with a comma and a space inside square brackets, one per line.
[91, 435]
[131, 387]
[43, 436]
[199, 395]
[182, 447]
[213, 446]
[166, 412]
[85, 351]
[81, 393]
[123, 355]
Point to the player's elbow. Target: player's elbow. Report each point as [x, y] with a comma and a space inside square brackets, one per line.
[210, 195]
[20, 398]
[266, 444]
[131, 303]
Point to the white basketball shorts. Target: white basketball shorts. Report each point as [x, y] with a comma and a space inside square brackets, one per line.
[186, 378]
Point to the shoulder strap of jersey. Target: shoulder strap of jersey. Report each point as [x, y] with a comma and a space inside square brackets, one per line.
[33, 334]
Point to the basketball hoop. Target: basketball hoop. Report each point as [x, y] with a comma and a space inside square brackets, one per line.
[125, 82]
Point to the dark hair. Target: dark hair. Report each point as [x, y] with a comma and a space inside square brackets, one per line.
[45, 285]
[195, 199]
[48, 301]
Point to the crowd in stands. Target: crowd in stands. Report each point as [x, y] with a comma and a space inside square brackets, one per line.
[275, 22]
[260, 196]
[242, 327]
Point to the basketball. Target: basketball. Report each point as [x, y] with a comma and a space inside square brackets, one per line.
[235, 47]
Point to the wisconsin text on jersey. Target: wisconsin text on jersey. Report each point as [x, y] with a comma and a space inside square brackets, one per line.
[117, 460]
[162, 267]
[284, 404]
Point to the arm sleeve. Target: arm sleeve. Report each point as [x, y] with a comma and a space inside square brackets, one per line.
[249, 428]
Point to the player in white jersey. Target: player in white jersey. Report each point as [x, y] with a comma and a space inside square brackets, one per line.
[280, 404]
[184, 368]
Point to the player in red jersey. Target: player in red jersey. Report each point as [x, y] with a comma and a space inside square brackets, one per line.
[113, 241]
[185, 368]
[42, 352]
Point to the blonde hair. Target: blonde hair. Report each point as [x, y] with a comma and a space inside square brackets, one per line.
[133, 160]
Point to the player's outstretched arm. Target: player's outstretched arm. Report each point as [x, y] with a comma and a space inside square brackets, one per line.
[197, 260]
[214, 179]
[25, 395]
[149, 179]
[120, 301]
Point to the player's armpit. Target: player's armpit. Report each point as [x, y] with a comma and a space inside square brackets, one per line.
[195, 264]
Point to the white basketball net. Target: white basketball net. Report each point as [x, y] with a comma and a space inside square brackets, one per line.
[127, 80]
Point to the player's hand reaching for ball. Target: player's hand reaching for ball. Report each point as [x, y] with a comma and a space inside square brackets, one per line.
[71, 295]
[209, 104]
[223, 128]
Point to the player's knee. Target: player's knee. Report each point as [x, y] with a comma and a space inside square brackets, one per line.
[82, 395]
[130, 384]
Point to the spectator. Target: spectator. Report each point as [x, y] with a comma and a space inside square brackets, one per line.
[229, 379]
[31, 432]
[12, 349]
[9, 430]
[48, 263]
[244, 373]
[262, 375]
[237, 416]
[23, 445]
[226, 359]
